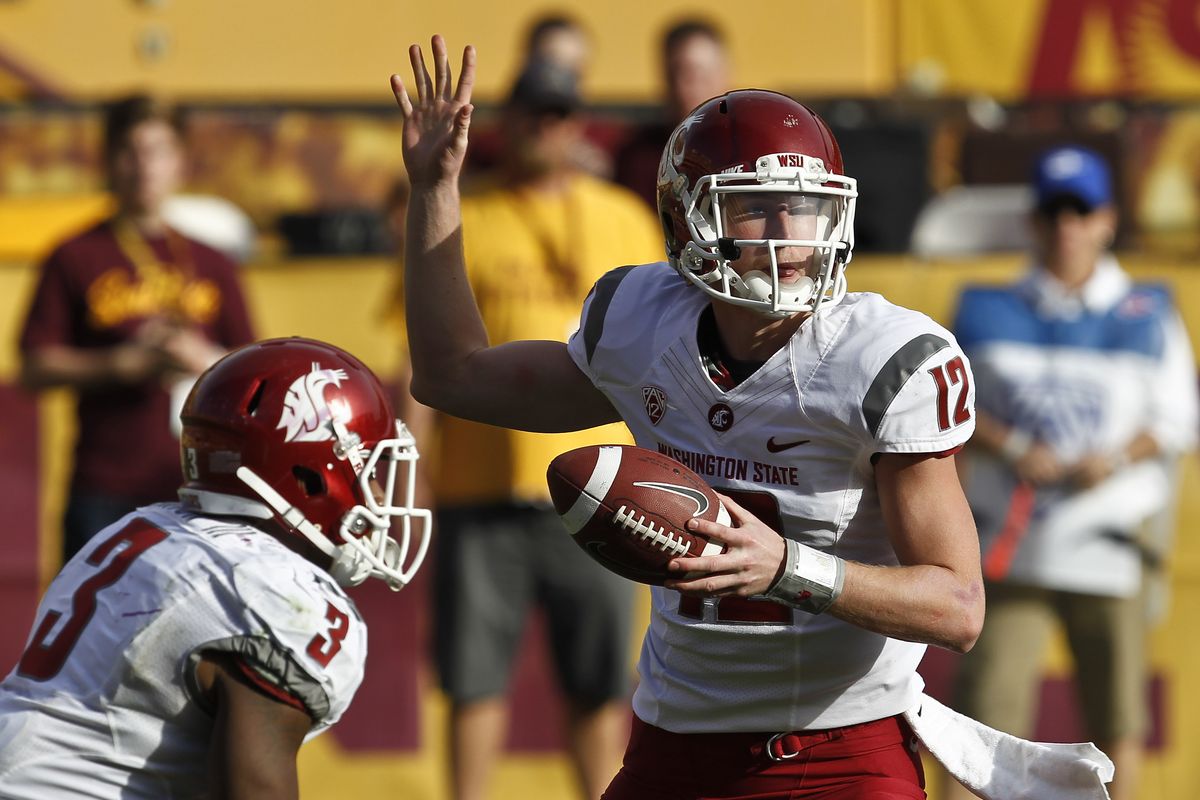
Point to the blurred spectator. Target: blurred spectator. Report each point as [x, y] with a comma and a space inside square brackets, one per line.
[534, 240]
[695, 67]
[1086, 394]
[127, 313]
[560, 39]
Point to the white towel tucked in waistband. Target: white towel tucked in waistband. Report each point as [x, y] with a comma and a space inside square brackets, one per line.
[997, 766]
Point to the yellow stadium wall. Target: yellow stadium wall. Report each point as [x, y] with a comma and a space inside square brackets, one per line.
[344, 52]
[279, 50]
[344, 301]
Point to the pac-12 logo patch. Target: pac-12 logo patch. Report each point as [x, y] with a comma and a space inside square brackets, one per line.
[720, 417]
[655, 401]
[306, 415]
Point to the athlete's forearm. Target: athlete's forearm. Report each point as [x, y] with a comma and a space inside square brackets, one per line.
[921, 603]
[444, 325]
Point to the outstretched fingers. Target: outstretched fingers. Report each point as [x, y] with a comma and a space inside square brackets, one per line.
[466, 78]
[402, 98]
[436, 88]
[420, 75]
[436, 122]
[441, 67]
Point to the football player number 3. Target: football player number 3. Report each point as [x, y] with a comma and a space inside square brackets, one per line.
[951, 378]
[46, 655]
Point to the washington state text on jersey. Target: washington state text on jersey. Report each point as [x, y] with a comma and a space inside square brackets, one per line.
[733, 469]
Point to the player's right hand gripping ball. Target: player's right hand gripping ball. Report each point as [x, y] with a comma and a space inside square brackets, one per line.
[627, 506]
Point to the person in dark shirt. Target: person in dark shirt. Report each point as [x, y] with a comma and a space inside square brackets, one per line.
[695, 68]
[128, 313]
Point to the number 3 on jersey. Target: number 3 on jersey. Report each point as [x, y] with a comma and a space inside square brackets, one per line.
[44, 657]
[951, 374]
[323, 648]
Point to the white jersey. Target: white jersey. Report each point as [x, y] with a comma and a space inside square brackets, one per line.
[794, 443]
[1085, 374]
[104, 702]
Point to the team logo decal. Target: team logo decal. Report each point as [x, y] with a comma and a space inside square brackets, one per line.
[1138, 304]
[306, 415]
[655, 401]
[720, 417]
[676, 146]
[778, 447]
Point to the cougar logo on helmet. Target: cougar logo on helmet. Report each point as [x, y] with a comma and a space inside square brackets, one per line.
[678, 138]
[306, 415]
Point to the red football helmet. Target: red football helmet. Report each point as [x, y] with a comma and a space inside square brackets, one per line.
[301, 432]
[734, 157]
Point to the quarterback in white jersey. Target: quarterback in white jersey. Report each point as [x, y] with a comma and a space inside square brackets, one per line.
[797, 437]
[779, 668]
[190, 648]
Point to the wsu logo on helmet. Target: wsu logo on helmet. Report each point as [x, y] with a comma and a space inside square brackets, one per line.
[306, 415]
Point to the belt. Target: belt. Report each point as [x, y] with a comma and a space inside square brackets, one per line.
[783, 746]
[789, 744]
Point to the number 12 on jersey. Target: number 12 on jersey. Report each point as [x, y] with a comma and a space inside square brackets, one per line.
[952, 374]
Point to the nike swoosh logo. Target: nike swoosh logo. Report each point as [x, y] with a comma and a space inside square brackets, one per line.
[683, 491]
[779, 447]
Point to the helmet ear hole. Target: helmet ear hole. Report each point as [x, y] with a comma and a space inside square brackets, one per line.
[256, 398]
[669, 234]
[309, 480]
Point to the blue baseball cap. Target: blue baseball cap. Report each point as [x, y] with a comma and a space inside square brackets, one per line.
[1072, 172]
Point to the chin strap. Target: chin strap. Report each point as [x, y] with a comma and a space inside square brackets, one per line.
[348, 567]
[350, 563]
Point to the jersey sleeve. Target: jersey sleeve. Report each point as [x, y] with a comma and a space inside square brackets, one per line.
[921, 394]
[585, 342]
[302, 636]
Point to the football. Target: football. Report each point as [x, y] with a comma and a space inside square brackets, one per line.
[627, 507]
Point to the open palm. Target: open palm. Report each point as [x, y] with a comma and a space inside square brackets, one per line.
[435, 126]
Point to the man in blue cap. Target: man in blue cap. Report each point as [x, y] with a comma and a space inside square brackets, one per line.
[1086, 394]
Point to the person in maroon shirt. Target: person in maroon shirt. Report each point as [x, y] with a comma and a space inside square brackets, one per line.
[128, 313]
[695, 67]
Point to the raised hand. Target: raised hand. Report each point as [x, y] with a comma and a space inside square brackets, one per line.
[435, 127]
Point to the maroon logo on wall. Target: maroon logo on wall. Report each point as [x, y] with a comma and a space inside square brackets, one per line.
[720, 417]
[655, 400]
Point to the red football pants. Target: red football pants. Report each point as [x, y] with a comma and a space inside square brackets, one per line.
[872, 761]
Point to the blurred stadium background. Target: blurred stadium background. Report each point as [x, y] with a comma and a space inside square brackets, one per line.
[939, 105]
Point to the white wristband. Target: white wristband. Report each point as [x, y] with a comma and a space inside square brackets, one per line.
[1016, 445]
[811, 580]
